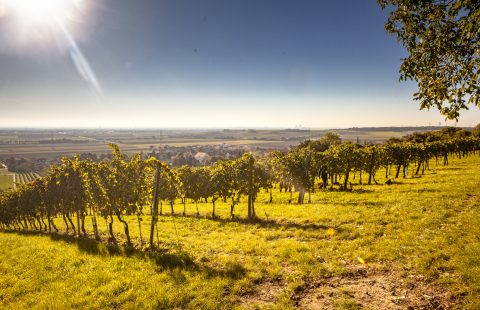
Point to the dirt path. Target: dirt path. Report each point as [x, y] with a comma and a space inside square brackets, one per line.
[360, 288]
[372, 289]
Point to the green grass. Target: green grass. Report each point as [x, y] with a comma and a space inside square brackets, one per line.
[426, 226]
[6, 181]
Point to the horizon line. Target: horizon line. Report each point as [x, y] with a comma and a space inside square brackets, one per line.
[218, 128]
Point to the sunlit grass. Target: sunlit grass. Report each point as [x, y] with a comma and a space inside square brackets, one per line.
[6, 181]
[425, 225]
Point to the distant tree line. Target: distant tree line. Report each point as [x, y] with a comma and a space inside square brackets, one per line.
[65, 140]
[19, 164]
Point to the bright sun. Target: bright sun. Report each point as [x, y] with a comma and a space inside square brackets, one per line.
[38, 12]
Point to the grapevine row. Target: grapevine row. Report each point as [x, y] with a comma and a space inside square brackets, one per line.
[125, 186]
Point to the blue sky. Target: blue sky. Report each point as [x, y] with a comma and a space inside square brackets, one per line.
[237, 63]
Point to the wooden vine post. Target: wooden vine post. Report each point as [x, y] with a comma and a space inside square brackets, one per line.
[154, 209]
[251, 208]
[370, 169]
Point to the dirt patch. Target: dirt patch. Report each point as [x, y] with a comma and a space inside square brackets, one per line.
[265, 293]
[372, 289]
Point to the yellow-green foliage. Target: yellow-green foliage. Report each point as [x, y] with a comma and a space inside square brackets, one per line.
[425, 225]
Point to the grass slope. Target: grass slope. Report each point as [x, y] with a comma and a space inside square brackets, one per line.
[6, 181]
[414, 243]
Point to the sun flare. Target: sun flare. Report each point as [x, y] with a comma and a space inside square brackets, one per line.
[40, 12]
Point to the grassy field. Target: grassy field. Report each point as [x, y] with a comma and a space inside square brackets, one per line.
[6, 181]
[415, 243]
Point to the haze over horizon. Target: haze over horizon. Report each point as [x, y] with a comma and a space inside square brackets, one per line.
[208, 64]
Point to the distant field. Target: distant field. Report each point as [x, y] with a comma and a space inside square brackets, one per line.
[42, 151]
[371, 136]
[260, 143]
[26, 177]
[38, 151]
[412, 245]
[6, 181]
[141, 141]
[7, 138]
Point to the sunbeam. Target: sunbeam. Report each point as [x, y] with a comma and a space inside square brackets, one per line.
[34, 16]
[82, 64]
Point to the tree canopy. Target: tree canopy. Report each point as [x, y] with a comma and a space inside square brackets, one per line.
[476, 130]
[442, 41]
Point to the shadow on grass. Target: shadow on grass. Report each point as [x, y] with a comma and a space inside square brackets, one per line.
[452, 168]
[258, 222]
[162, 257]
[352, 189]
[361, 203]
[419, 190]
[165, 259]
[266, 223]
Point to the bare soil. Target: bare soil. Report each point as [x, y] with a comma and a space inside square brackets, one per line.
[372, 289]
[265, 293]
[359, 288]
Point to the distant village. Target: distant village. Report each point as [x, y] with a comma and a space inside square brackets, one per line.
[175, 156]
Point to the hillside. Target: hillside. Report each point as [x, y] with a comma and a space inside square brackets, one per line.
[413, 243]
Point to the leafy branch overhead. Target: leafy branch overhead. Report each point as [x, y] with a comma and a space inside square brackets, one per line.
[442, 41]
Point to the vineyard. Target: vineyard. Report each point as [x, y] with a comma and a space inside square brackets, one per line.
[126, 186]
[25, 177]
[244, 226]
[11, 180]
